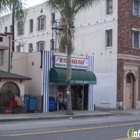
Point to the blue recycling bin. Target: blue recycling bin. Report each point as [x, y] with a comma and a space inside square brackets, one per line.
[26, 101]
[32, 103]
[51, 104]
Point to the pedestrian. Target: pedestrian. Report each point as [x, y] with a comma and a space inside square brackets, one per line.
[61, 103]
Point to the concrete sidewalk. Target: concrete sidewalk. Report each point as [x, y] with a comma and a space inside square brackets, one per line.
[62, 115]
[52, 115]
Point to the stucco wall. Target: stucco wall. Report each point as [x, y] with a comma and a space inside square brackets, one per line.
[90, 39]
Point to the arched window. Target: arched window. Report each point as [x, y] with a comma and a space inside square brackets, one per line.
[31, 47]
[41, 23]
[40, 45]
[8, 92]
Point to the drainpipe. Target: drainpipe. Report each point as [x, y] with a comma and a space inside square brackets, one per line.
[9, 54]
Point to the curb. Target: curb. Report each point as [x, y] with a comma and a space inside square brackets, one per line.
[56, 117]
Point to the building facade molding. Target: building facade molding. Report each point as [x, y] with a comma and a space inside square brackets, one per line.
[128, 57]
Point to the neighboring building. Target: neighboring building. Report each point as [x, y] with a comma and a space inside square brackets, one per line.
[108, 31]
[10, 84]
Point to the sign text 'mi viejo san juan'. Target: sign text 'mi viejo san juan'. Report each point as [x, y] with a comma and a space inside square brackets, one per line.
[76, 63]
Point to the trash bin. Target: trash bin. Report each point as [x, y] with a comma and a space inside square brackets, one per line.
[51, 104]
[32, 103]
[26, 101]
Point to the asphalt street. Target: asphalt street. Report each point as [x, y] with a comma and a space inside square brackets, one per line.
[105, 128]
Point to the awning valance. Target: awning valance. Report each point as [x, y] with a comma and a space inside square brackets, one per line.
[77, 77]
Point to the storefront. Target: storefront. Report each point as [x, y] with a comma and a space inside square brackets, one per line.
[82, 81]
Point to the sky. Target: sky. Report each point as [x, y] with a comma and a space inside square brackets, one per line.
[33, 2]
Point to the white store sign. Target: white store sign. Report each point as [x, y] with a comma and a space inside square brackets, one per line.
[76, 63]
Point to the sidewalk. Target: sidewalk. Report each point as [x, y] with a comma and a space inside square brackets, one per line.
[62, 115]
[52, 115]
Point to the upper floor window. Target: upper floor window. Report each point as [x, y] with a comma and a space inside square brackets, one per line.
[1, 57]
[41, 23]
[31, 25]
[53, 17]
[20, 28]
[136, 7]
[1, 39]
[108, 38]
[31, 47]
[5, 29]
[109, 7]
[11, 28]
[136, 39]
[40, 45]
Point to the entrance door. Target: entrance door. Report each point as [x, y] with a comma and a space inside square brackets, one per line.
[129, 92]
[77, 97]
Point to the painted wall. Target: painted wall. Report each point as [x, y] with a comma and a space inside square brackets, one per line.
[35, 72]
[5, 42]
[90, 38]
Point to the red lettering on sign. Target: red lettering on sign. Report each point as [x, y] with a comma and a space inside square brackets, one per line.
[81, 62]
[74, 61]
[61, 60]
[65, 60]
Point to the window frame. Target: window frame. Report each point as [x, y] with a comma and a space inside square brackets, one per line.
[133, 10]
[133, 39]
[1, 57]
[20, 27]
[108, 7]
[39, 23]
[31, 25]
[38, 45]
[108, 37]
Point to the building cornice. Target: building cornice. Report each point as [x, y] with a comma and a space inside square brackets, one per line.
[128, 57]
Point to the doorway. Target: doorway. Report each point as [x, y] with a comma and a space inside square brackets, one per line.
[79, 97]
[8, 92]
[129, 91]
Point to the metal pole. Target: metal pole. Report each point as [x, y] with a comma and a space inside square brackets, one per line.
[83, 98]
[57, 96]
[9, 54]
